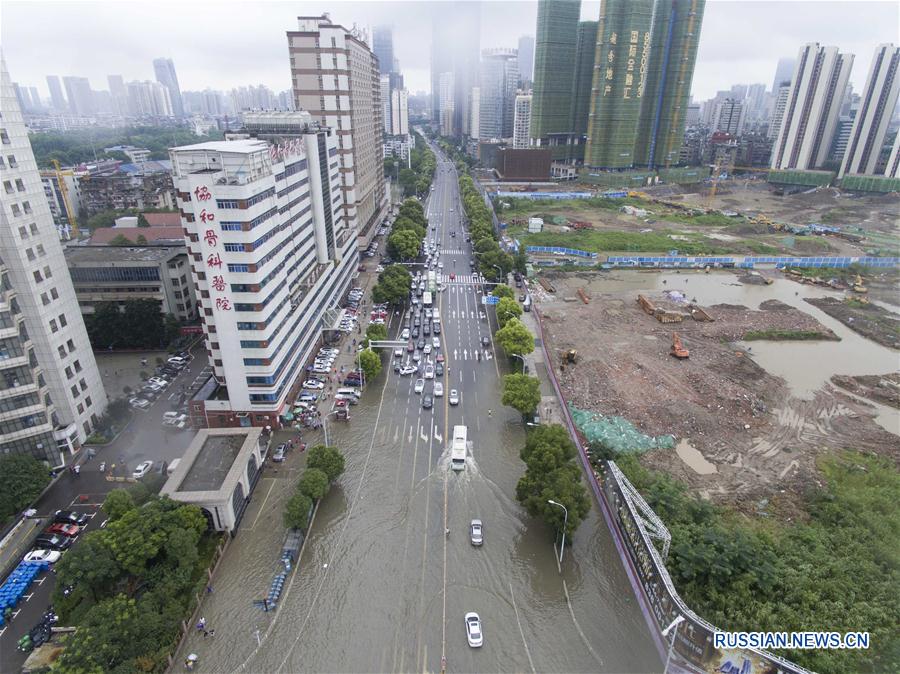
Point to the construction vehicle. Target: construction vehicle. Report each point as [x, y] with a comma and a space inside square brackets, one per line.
[578, 224]
[569, 357]
[637, 195]
[64, 191]
[678, 349]
[858, 286]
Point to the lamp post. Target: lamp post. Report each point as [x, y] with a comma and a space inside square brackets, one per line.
[522, 358]
[673, 627]
[565, 524]
[499, 269]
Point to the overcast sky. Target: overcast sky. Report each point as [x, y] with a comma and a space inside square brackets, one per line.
[224, 44]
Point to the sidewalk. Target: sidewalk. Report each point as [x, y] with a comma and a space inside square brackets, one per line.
[549, 409]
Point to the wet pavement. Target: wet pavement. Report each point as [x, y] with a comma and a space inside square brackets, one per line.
[380, 586]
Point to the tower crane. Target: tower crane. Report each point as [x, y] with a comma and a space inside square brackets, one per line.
[64, 190]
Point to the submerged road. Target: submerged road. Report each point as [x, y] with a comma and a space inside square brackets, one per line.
[380, 587]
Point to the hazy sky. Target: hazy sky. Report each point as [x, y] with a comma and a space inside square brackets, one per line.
[226, 43]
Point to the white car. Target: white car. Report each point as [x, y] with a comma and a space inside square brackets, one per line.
[473, 630]
[379, 269]
[440, 265]
[420, 385]
[321, 370]
[476, 532]
[404, 334]
[139, 403]
[454, 397]
[158, 381]
[428, 312]
[142, 469]
[429, 372]
[314, 384]
[438, 390]
[49, 556]
[436, 342]
[408, 369]
[427, 349]
[398, 353]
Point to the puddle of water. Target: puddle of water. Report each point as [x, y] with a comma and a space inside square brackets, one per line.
[693, 458]
[805, 366]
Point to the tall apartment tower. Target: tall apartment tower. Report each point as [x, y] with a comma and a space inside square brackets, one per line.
[383, 46]
[51, 394]
[876, 107]
[455, 48]
[526, 60]
[80, 95]
[399, 112]
[729, 117]
[585, 48]
[497, 90]
[165, 75]
[522, 122]
[812, 108]
[335, 77]
[779, 105]
[892, 170]
[446, 103]
[554, 75]
[783, 71]
[621, 60]
[271, 258]
[57, 99]
[385, 90]
[667, 91]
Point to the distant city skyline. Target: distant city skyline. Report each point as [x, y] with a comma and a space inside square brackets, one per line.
[725, 57]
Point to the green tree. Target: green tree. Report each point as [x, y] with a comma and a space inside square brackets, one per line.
[503, 291]
[327, 459]
[144, 324]
[117, 503]
[408, 181]
[507, 308]
[486, 244]
[296, 511]
[142, 221]
[403, 245]
[171, 328]
[376, 333]
[91, 566]
[22, 479]
[370, 364]
[515, 338]
[393, 285]
[105, 326]
[313, 483]
[403, 223]
[120, 240]
[492, 259]
[522, 393]
[141, 240]
[520, 260]
[413, 209]
[101, 219]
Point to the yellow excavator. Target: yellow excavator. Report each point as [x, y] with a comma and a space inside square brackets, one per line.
[858, 286]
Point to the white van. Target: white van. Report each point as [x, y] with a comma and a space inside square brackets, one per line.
[458, 448]
[348, 394]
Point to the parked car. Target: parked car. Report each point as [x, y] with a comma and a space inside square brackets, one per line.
[139, 403]
[63, 529]
[142, 469]
[52, 542]
[476, 532]
[278, 454]
[307, 398]
[49, 556]
[71, 517]
[473, 630]
[314, 384]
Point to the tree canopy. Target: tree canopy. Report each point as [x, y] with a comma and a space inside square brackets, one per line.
[327, 459]
[507, 308]
[313, 483]
[22, 479]
[296, 511]
[522, 393]
[140, 325]
[393, 285]
[514, 337]
[403, 244]
[503, 291]
[370, 363]
[375, 332]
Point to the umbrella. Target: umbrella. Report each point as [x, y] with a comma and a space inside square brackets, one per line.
[288, 416]
[193, 657]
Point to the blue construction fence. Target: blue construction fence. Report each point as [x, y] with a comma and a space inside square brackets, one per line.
[546, 196]
[555, 250]
[748, 262]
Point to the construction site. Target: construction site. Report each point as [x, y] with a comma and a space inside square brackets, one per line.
[721, 380]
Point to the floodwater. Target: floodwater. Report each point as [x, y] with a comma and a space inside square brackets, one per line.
[693, 458]
[805, 366]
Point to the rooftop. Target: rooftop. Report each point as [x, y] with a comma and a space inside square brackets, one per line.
[213, 462]
[163, 219]
[105, 254]
[246, 146]
[103, 235]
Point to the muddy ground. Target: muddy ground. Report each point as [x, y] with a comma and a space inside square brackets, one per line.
[884, 389]
[763, 442]
[869, 320]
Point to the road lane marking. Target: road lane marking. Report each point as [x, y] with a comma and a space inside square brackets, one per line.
[263, 506]
[578, 626]
[521, 632]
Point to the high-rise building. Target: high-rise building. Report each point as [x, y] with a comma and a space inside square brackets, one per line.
[149, 99]
[778, 106]
[165, 75]
[522, 122]
[326, 57]
[385, 92]
[893, 165]
[475, 108]
[669, 72]
[57, 100]
[526, 60]
[554, 75]
[622, 57]
[118, 93]
[455, 41]
[692, 116]
[585, 48]
[23, 96]
[755, 102]
[499, 80]
[446, 104]
[729, 117]
[80, 95]
[271, 255]
[783, 72]
[51, 393]
[876, 107]
[812, 108]
[35, 97]
[399, 112]
[383, 46]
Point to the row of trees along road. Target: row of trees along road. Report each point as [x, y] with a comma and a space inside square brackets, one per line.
[415, 179]
[324, 465]
[481, 231]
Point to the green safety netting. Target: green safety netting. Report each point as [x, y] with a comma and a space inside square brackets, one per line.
[560, 220]
[617, 434]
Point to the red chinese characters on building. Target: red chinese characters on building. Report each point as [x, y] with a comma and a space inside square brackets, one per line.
[218, 283]
[202, 193]
[223, 304]
[211, 238]
[214, 260]
[206, 216]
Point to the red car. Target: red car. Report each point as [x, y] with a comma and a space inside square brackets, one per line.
[452, 277]
[440, 358]
[63, 529]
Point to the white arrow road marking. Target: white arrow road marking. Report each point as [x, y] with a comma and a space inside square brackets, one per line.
[409, 438]
[423, 435]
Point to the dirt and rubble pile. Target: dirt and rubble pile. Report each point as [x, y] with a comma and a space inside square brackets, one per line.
[884, 389]
[869, 320]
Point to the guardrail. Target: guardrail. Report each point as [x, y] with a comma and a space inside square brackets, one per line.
[656, 594]
[557, 250]
[748, 261]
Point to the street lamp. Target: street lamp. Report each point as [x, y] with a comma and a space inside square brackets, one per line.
[565, 524]
[673, 627]
[522, 358]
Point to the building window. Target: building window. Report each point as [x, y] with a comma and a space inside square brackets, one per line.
[47, 272]
[23, 232]
[75, 391]
[4, 137]
[77, 365]
[80, 408]
[62, 351]
[11, 160]
[16, 211]
[83, 384]
[71, 345]
[53, 326]
[69, 373]
[20, 185]
[33, 228]
[88, 401]
[62, 320]
[7, 185]
[26, 205]
[29, 253]
[37, 276]
[44, 299]
[40, 250]
[54, 294]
